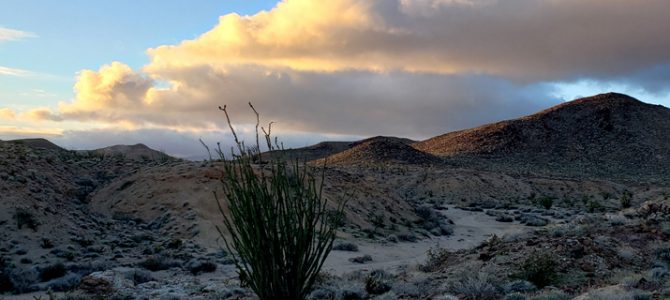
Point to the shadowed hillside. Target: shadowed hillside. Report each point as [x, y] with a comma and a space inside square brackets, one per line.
[381, 150]
[37, 143]
[607, 134]
[133, 152]
[312, 152]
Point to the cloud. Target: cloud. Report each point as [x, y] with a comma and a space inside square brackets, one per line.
[7, 113]
[41, 114]
[343, 102]
[523, 39]
[8, 34]
[9, 132]
[112, 93]
[15, 72]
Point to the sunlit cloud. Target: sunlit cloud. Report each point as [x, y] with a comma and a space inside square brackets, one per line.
[524, 39]
[7, 114]
[17, 131]
[9, 34]
[40, 114]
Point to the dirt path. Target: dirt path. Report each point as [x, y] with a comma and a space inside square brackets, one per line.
[470, 230]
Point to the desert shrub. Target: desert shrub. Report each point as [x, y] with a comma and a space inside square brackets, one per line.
[546, 202]
[552, 295]
[515, 296]
[346, 247]
[228, 293]
[377, 283]
[663, 254]
[407, 237]
[201, 267]
[158, 263]
[361, 259]
[476, 286]
[82, 241]
[659, 273]
[519, 286]
[616, 294]
[52, 272]
[25, 218]
[433, 221]
[174, 244]
[46, 243]
[436, 258]
[278, 227]
[138, 276]
[626, 199]
[593, 206]
[539, 269]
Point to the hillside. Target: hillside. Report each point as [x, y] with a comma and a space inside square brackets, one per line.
[381, 150]
[604, 135]
[310, 153]
[133, 152]
[37, 143]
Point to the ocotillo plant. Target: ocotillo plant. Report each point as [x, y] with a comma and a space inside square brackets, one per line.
[278, 224]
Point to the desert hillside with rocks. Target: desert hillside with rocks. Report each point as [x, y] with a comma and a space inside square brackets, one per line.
[570, 202]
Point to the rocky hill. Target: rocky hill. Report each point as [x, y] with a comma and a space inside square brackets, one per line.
[310, 153]
[604, 135]
[133, 152]
[382, 150]
[37, 143]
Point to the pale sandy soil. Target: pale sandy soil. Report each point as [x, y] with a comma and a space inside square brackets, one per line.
[470, 230]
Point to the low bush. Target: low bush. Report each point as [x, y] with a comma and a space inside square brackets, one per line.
[546, 202]
[436, 258]
[539, 269]
[476, 286]
[52, 272]
[25, 218]
[139, 276]
[346, 247]
[407, 237]
[46, 243]
[361, 259]
[158, 263]
[515, 296]
[626, 199]
[552, 295]
[202, 267]
[377, 283]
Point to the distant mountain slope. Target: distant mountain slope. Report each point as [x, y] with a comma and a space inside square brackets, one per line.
[310, 153]
[381, 150]
[133, 152]
[37, 143]
[607, 132]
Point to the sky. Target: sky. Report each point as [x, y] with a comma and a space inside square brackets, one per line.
[88, 74]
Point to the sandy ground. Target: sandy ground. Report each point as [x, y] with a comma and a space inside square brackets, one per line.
[470, 230]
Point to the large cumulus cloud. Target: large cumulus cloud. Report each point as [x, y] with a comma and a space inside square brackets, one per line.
[527, 39]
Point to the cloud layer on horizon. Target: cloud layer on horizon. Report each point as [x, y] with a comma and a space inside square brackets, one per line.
[367, 67]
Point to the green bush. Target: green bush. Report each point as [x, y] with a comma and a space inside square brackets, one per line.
[546, 202]
[278, 225]
[539, 268]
